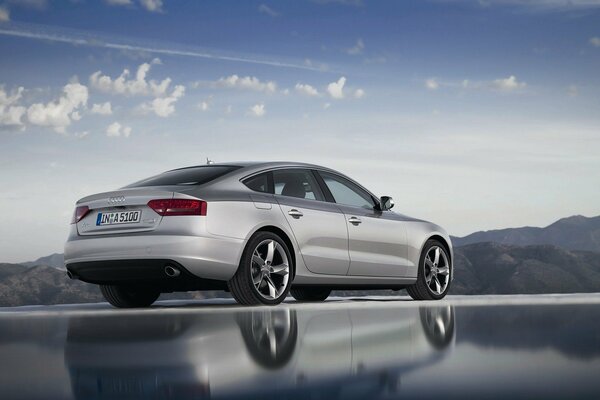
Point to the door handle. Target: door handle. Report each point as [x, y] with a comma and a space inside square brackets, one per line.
[354, 220]
[295, 213]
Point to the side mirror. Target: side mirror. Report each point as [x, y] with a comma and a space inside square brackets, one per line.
[387, 203]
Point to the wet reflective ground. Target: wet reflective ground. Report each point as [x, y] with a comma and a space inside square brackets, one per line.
[486, 347]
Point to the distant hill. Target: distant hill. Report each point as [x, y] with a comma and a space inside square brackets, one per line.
[493, 268]
[21, 285]
[572, 233]
[55, 260]
[44, 285]
[10, 269]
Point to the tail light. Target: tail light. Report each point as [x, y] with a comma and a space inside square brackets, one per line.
[169, 207]
[79, 213]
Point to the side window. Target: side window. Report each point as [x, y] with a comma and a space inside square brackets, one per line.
[298, 183]
[347, 193]
[258, 183]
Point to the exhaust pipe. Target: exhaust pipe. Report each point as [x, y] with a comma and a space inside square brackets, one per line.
[172, 272]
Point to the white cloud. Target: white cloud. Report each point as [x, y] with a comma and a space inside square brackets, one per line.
[204, 106]
[247, 82]
[257, 110]
[508, 84]
[152, 5]
[595, 41]
[336, 89]
[131, 87]
[59, 113]
[306, 89]
[102, 109]
[265, 9]
[432, 84]
[10, 112]
[4, 14]
[82, 38]
[165, 106]
[359, 93]
[326, 106]
[119, 2]
[573, 91]
[117, 130]
[357, 49]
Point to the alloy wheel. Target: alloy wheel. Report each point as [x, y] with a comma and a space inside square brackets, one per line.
[270, 269]
[437, 270]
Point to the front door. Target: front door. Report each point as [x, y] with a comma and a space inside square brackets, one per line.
[376, 240]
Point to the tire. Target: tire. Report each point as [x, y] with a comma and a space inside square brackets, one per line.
[257, 276]
[308, 294]
[421, 290]
[127, 297]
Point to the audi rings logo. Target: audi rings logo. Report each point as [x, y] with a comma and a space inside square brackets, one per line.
[116, 200]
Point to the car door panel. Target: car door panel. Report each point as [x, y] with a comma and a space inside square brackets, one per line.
[377, 245]
[376, 240]
[320, 232]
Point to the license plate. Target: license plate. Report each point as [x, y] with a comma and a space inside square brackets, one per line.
[119, 217]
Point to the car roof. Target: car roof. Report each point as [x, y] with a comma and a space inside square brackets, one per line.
[257, 165]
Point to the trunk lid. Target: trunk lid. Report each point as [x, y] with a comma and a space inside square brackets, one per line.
[123, 200]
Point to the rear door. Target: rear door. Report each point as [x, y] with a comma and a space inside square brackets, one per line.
[376, 240]
[318, 226]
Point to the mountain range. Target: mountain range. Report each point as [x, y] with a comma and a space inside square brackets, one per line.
[572, 233]
[563, 257]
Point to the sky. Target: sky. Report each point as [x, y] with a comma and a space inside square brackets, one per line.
[476, 115]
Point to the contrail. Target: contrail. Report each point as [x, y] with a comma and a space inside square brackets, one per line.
[79, 39]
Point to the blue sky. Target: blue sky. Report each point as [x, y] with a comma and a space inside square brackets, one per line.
[473, 114]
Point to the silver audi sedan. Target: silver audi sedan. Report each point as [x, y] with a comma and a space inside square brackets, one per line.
[260, 230]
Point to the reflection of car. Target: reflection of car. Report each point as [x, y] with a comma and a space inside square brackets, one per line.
[254, 229]
[353, 353]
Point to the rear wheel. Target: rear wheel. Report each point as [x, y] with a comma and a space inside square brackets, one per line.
[128, 297]
[433, 278]
[264, 273]
[311, 293]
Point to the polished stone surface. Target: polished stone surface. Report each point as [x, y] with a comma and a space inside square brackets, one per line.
[361, 348]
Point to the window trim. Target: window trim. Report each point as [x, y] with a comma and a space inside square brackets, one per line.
[376, 205]
[316, 171]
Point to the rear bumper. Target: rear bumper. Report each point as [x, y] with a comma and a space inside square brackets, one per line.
[213, 258]
[144, 272]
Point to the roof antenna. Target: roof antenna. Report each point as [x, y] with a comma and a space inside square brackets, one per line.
[209, 161]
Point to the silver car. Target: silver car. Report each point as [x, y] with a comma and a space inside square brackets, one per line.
[259, 230]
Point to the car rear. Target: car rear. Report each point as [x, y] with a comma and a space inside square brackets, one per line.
[151, 231]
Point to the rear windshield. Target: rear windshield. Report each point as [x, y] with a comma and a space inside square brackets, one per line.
[187, 176]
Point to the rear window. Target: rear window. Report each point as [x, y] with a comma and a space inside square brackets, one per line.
[186, 176]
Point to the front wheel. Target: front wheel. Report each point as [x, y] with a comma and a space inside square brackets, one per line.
[264, 273]
[433, 278]
[127, 297]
